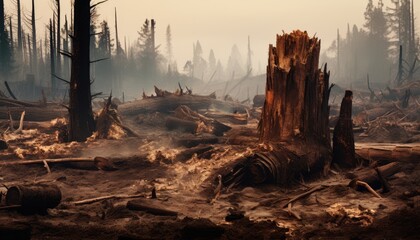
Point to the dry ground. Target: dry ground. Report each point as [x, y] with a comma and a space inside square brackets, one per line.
[335, 212]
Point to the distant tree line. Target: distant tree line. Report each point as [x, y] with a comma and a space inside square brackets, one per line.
[374, 49]
[116, 63]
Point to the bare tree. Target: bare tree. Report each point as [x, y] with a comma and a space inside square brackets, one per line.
[19, 31]
[34, 58]
[58, 39]
[81, 121]
[52, 57]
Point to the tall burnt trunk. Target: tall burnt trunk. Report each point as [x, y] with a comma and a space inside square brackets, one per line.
[34, 41]
[81, 124]
[58, 40]
[52, 59]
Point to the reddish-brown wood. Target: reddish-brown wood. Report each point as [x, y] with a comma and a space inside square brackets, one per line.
[297, 93]
[294, 119]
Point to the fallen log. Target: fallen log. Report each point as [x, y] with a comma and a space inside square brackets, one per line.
[386, 153]
[188, 120]
[187, 154]
[174, 123]
[168, 104]
[371, 177]
[193, 141]
[98, 199]
[35, 114]
[151, 207]
[95, 163]
[240, 119]
[34, 198]
[14, 102]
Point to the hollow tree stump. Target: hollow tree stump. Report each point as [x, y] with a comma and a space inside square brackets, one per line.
[294, 119]
[297, 93]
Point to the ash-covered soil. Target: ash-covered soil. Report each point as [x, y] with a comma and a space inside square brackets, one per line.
[156, 160]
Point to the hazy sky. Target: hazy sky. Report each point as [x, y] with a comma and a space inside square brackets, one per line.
[218, 24]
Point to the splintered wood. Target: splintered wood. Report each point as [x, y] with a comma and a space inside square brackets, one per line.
[294, 119]
[296, 92]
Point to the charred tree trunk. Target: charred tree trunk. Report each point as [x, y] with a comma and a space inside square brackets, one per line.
[34, 41]
[66, 49]
[19, 32]
[30, 58]
[12, 47]
[52, 59]
[343, 138]
[296, 105]
[5, 51]
[58, 40]
[294, 120]
[400, 67]
[81, 116]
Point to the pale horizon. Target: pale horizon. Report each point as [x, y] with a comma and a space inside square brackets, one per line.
[218, 24]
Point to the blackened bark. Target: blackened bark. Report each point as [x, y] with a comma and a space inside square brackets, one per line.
[343, 138]
[34, 41]
[58, 40]
[81, 116]
[19, 32]
[52, 59]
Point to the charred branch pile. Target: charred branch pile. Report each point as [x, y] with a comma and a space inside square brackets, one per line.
[168, 104]
[187, 120]
[35, 111]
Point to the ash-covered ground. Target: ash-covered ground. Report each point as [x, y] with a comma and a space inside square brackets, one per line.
[155, 159]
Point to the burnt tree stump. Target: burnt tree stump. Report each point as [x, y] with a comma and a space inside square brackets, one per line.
[343, 139]
[294, 121]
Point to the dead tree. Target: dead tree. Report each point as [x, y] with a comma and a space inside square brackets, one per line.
[58, 40]
[81, 121]
[294, 120]
[12, 47]
[343, 138]
[52, 58]
[34, 41]
[66, 48]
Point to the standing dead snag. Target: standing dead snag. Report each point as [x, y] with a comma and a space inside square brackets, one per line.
[294, 121]
[343, 139]
[81, 124]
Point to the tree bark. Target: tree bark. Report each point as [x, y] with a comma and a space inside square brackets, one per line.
[343, 139]
[296, 104]
[371, 177]
[52, 59]
[294, 120]
[34, 42]
[58, 41]
[82, 124]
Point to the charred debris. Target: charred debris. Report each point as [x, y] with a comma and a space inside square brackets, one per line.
[174, 164]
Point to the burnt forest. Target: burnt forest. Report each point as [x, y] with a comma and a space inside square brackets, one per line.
[127, 120]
